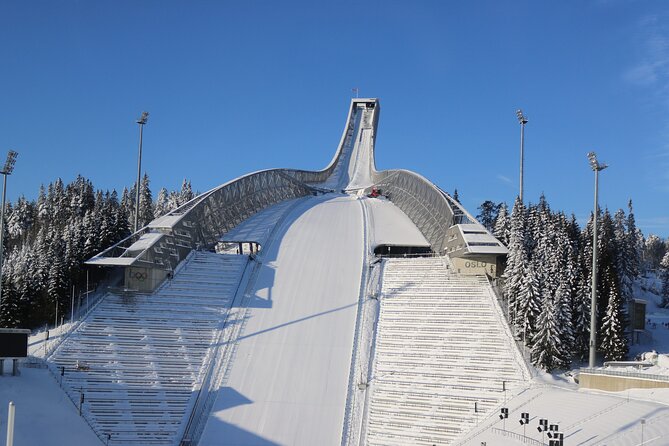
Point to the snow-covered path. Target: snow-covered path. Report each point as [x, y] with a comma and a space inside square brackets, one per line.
[289, 379]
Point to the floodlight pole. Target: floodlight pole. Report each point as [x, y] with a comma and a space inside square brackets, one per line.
[522, 119]
[7, 170]
[596, 167]
[141, 121]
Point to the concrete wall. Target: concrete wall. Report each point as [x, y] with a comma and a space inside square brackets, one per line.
[617, 383]
[476, 265]
[143, 279]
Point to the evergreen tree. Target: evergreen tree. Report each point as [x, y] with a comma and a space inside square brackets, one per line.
[488, 212]
[145, 203]
[502, 225]
[581, 319]
[516, 260]
[528, 304]
[9, 309]
[546, 343]
[162, 205]
[653, 252]
[613, 341]
[664, 277]
[186, 193]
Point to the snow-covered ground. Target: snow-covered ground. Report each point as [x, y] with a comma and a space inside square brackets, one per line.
[289, 378]
[45, 416]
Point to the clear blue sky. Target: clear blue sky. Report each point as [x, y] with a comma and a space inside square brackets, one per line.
[234, 87]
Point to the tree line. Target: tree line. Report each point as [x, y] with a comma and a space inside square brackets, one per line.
[47, 241]
[547, 279]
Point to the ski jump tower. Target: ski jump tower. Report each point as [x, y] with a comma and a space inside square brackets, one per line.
[152, 253]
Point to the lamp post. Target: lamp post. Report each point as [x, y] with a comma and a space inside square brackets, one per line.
[141, 121]
[596, 167]
[522, 119]
[7, 169]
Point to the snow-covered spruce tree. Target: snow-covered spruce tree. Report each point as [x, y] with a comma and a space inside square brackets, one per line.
[664, 277]
[502, 224]
[613, 342]
[9, 309]
[145, 203]
[546, 343]
[581, 318]
[162, 205]
[516, 260]
[528, 304]
[186, 193]
[653, 252]
[564, 317]
[634, 244]
[58, 283]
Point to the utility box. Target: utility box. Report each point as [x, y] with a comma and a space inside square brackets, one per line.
[639, 314]
[14, 342]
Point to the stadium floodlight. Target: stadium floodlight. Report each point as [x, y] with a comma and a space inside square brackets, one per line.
[141, 121]
[9, 164]
[7, 169]
[522, 119]
[596, 166]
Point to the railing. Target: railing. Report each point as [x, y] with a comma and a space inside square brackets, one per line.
[518, 437]
[203, 220]
[625, 374]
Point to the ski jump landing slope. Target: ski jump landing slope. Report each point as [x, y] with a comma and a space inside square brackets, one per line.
[289, 380]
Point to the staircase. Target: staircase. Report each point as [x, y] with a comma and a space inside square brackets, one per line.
[139, 359]
[441, 349]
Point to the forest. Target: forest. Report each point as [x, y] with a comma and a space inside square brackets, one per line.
[547, 283]
[47, 241]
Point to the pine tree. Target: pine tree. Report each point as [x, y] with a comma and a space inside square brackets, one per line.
[613, 342]
[488, 212]
[186, 193]
[528, 304]
[581, 319]
[516, 261]
[664, 277]
[546, 343]
[162, 205]
[145, 203]
[502, 225]
[9, 308]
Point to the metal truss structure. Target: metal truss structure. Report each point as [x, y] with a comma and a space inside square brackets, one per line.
[200, 223]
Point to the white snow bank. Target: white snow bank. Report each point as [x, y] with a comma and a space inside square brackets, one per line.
[45, 416]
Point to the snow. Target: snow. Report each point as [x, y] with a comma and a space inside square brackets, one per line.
[45, 416]
[585, 418]
[390, 226]
[257, 227]
[165, 222]
[289, 379]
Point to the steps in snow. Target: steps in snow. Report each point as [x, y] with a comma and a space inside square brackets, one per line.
[441, 347]
[139, 359]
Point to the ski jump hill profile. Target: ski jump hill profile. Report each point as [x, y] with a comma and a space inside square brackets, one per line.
[289, 307]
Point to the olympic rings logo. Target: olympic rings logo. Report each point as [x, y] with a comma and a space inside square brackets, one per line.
[138, 275]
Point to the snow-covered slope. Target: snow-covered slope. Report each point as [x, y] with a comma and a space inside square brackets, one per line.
[441, 349]
[138, 359]
[289, 377]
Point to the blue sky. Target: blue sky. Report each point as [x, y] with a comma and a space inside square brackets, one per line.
[234, 87]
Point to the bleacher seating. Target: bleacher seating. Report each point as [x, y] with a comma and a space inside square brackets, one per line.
[139, 359]
[441, 347]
